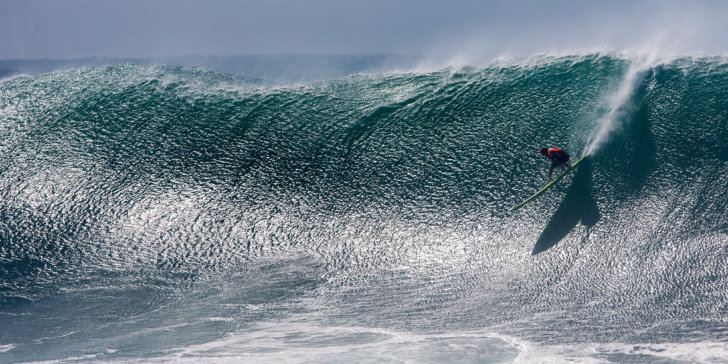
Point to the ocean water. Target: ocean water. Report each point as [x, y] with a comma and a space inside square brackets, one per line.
[156, 213]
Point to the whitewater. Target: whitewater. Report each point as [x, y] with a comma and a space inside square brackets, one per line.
[156, 213]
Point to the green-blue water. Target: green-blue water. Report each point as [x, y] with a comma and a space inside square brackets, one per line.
[155, 213]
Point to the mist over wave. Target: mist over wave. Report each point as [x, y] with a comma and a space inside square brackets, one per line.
[157, 212]
[265, 69]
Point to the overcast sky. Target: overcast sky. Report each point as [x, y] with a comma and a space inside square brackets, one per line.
[478, 28]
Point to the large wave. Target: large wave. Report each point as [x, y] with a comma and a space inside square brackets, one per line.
[375, 200]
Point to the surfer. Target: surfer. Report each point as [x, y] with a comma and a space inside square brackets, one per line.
[558, 158]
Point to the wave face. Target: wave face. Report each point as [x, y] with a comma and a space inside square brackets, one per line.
[173, 213]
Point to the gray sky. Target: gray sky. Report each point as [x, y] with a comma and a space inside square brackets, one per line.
[476, 28]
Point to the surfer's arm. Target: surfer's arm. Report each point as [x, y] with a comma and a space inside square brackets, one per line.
[551, 170]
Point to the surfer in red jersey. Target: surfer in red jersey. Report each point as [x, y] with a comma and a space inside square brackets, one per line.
[558, 158]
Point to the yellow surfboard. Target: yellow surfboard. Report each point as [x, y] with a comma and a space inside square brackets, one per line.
[539, 192]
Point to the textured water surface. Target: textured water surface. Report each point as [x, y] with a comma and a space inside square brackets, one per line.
[156, 213]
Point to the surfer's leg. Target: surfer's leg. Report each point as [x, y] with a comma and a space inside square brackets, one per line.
[565, 162]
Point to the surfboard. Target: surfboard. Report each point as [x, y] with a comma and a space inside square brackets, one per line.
[553, 182]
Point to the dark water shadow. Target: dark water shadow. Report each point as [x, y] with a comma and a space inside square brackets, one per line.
[630, 154]
[634, 150]
[578, 206]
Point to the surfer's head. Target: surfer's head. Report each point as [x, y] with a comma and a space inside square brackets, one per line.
[545, 151]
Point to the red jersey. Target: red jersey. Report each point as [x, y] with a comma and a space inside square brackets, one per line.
[555, 152]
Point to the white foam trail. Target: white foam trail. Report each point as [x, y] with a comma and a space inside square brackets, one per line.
[621, 104]
[692, 352]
